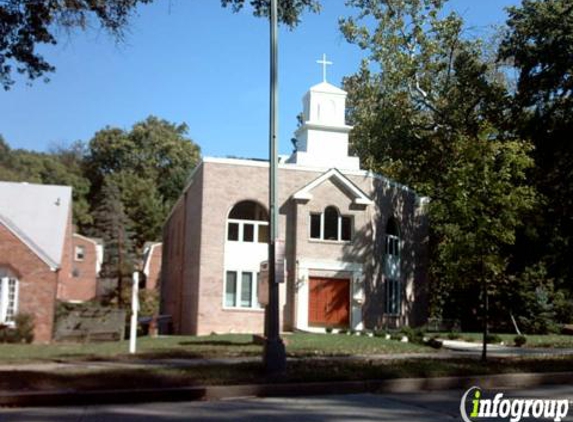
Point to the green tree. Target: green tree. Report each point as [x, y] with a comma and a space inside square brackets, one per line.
[149, 164]
[113, 226]
[539, 43]
[48, 168]
[434, 117]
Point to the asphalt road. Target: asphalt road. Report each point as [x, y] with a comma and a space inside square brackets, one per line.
[409, 407]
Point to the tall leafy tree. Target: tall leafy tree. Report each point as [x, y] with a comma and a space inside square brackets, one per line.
[539, 43]
[428, 112]
[149, 164]
[113, 226]
[56, 168]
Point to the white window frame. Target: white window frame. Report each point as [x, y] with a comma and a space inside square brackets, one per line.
[255, 305]
[256, 223]
[77, 250]
[339, 234]
[5, 303]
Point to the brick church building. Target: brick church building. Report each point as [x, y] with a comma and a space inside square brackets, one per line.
[355, 242]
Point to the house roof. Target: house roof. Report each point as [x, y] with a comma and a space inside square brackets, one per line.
[360, 198]
[38, 216]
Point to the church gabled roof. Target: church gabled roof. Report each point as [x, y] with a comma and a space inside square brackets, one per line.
[327, 87]
[38, 216]
[360, 198]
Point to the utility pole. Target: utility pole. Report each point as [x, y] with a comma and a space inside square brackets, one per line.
[274, 351]
[485, 311]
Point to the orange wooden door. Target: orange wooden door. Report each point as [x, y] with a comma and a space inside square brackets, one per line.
[329, 302]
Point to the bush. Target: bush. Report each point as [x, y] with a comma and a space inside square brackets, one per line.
[343, 331]
[22, 332]
[328, 330]
[453, 335]
[519, 340]
[434, 343]
[380, 333]
[492, 338]
[415, 335]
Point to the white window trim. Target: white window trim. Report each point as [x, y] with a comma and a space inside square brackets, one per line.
[4, 299]
[241, 223]
[83, 249]
[255, 306]
[339, 234]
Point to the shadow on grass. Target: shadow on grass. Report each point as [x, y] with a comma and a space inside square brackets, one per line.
[216, 343]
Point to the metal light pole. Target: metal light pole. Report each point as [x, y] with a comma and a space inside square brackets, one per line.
[274, 351]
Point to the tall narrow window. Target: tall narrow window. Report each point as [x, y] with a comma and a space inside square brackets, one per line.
[315, 228]
[8, 297]
[331, 223]
[393, 296]
[246, 290]
[231, 289]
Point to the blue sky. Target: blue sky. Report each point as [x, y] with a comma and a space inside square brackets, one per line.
[190, 61]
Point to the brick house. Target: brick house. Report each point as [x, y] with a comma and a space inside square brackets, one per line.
[37, 254]
[355, 242]
[87, 257]
[152, 264]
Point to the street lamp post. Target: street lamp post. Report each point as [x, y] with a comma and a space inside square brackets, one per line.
[274, 351]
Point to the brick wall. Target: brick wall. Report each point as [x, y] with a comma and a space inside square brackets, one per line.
[37, 283]
[81, 283]
[219, 186]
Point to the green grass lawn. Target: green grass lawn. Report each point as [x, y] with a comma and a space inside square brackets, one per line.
[533, 340]
[228, 345]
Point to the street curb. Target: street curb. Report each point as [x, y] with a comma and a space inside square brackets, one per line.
[403, 385]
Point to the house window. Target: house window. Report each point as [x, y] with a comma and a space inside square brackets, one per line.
[248, 222]
[393, 294]
[80, 253]
[393, 299]
[330, 225]
[241, 289]
[8, 298]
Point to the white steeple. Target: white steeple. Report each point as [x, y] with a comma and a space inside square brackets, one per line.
[322, 140]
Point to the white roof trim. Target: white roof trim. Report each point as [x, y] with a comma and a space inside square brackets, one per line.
[87, 239]
[29, 243]
[360, 198]
[148, 255]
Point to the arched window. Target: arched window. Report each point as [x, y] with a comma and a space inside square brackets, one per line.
[330, 225]
[8, 296]
[248, 222]
[393, 287]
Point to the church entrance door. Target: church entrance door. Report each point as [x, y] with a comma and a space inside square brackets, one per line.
[329, 302]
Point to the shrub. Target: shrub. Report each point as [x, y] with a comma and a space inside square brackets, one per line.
[434, 343]
[328, 330]
[415, 335]
[519, 340]
[343, 331]
[453, 335]
[396, 336]
[22, 332]
[492, 338]
[379, 333]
